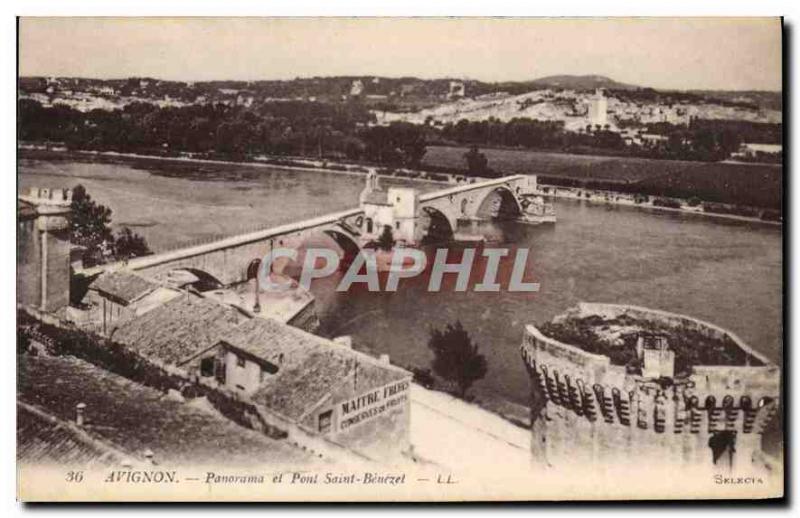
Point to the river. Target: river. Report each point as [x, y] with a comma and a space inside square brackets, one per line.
[726, 272]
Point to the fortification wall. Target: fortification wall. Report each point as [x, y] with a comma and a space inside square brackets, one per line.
[586, 410]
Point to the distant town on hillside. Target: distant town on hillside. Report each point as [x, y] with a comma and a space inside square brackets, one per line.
[430, 124]
[329, 116]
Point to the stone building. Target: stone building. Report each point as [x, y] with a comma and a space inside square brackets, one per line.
[320, 386]
[395, 208]
[43, 249]
[457, 90]
[598, 109]
[356, 88]
[303, 385]
[116, 296]
[621, 385]
[182, 333]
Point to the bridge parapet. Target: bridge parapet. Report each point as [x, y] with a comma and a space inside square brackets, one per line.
[227, 259]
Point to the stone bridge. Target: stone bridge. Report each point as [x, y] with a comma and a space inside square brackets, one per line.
[471, 201]
[227, 260]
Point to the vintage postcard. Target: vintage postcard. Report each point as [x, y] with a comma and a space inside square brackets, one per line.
[399, 259]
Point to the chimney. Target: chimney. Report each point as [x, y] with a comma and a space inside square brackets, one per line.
[149, 455]
[385, 359]
[79, 416]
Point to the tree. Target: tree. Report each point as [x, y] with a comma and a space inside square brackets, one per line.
[130, 244]
[456, 357]
[89, 226]
[477, 163]
[400, 143]
[386, 239]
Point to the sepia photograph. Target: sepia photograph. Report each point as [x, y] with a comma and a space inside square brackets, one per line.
[464, 259]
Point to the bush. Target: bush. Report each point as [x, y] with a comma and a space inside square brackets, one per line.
[456, 357]
[423, 377]
[666, 202]
[719, 208]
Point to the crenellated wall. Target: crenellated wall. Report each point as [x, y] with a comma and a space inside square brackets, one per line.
[584, 409]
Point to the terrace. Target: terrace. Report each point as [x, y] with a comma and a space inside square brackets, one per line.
[635, 337]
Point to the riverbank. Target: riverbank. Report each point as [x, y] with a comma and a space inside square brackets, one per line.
[291, 164]
[597, 196]
[600, 197]
[736, 184]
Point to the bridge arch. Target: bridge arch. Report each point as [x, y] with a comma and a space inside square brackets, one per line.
[349, 245]
[205, 281]
[440, 227]
[510, 204]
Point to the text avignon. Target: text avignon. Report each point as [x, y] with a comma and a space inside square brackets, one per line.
[142, 477]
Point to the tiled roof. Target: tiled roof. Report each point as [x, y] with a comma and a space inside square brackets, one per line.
[178, 330]
[43, 439]
[123, 286]
[314, 369]
[135, 418]
[294, 390]
[277, 343]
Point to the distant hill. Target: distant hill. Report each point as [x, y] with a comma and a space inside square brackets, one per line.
[404, 94]
[587, 82]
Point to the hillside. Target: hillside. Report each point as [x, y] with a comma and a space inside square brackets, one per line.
[408, 93]
[586, 82]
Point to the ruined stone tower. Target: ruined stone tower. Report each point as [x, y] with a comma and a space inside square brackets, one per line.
[43, 248]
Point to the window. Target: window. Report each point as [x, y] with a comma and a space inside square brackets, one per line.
[207, 367]
[325, 421]
[240, 362]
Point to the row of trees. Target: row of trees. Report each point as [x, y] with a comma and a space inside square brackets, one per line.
[704, 140]
[274, 128]
[344, 130]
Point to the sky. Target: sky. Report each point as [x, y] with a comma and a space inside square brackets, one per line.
[667, 53]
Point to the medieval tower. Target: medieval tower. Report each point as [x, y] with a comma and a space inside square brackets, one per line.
[43, 249]
[618, 384]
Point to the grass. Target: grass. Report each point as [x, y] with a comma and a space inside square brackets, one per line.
[691, 347]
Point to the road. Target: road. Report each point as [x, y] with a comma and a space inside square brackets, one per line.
[464, 437]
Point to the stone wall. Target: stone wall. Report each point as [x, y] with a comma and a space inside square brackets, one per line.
[586, 410]
[385, 434]
[43, 249]
[29, 269]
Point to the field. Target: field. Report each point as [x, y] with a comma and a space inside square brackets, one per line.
[742, 184]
